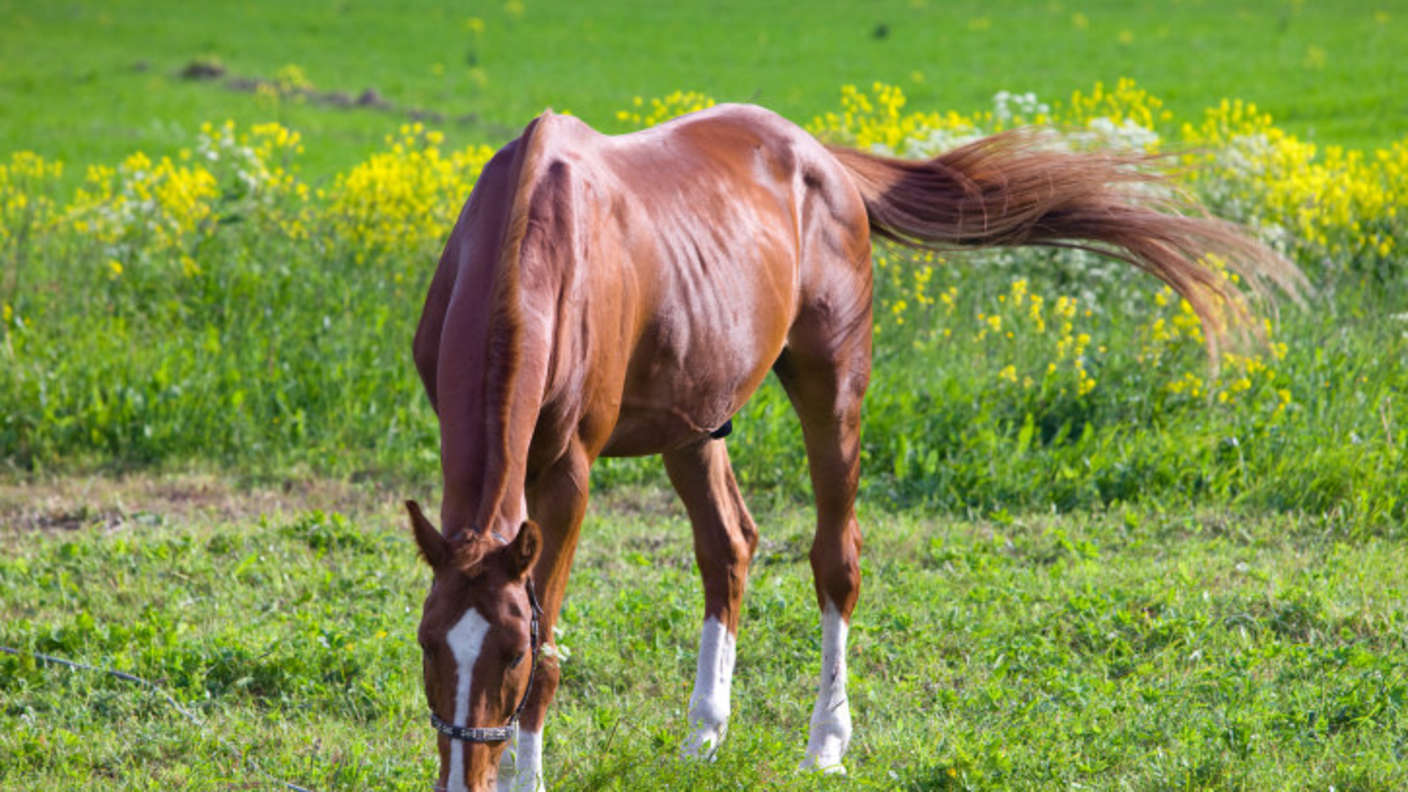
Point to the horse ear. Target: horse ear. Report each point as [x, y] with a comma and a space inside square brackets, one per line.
[523, 551]
[433, 547]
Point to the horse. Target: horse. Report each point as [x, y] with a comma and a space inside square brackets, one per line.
[625, 295]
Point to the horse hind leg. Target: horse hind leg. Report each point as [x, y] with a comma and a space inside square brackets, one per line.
[724, 540]
[826, 384]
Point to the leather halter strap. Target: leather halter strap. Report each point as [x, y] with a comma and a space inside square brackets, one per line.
[488, 734]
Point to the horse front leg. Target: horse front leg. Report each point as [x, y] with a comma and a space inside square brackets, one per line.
[724, 540]
[557, 501]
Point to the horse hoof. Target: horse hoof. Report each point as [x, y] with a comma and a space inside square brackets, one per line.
[817, 764]
[702, 744]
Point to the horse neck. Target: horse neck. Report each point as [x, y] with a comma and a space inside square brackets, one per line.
[491, 385]
[490, 392]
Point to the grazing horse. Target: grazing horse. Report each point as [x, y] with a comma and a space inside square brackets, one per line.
[626, 295]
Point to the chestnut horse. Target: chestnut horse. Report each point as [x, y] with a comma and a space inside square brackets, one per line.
[625, 296]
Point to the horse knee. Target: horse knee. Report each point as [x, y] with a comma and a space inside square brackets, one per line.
[549, 673]
[545, 682]
[723, 561]
[836, 570]
[748, 539]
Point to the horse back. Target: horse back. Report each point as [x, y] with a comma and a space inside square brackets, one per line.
[653, 276]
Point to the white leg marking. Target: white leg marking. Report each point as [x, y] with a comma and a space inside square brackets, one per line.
[521, 766]
[466, 638]
[508, 764]
[831, 718]
[713, 678]
[528, 764]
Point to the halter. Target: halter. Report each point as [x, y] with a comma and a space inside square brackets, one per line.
[489, 734]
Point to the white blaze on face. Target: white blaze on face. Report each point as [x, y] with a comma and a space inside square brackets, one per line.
[713, 679]
[466, 638]
[831, 718]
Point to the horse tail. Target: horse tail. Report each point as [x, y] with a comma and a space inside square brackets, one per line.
[1012, 189]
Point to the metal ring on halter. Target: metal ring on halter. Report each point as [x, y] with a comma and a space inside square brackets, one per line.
[488, 734]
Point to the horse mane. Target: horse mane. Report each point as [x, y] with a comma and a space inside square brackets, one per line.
[506, 322]
[469, 554]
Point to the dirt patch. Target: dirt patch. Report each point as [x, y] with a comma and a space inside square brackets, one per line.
[108, 503]
[369, 98]
[211, 71]
[116, 503]
[74, 520]
[648, 502]
[202, 69]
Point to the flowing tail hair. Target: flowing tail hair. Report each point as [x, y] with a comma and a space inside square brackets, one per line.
[1014, 189]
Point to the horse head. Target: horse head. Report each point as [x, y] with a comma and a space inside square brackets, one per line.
[479, 642]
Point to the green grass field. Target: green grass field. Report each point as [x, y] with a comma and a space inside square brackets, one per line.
[1100, 569]
[93, 81]
[1136, 650]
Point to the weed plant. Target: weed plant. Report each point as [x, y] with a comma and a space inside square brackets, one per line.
[215, 309]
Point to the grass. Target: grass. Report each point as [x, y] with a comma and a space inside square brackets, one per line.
[285, 373]
[89, 82]
[1135, 650]
[1162, 581]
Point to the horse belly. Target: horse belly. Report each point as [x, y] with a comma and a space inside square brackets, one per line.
[673, 397]
[721, 277]
[642, 431]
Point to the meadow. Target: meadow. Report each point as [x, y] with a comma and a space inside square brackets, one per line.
[88, 81]
[1093, 558]
[1139, 649]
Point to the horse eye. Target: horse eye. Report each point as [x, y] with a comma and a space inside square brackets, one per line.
[518, 658]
